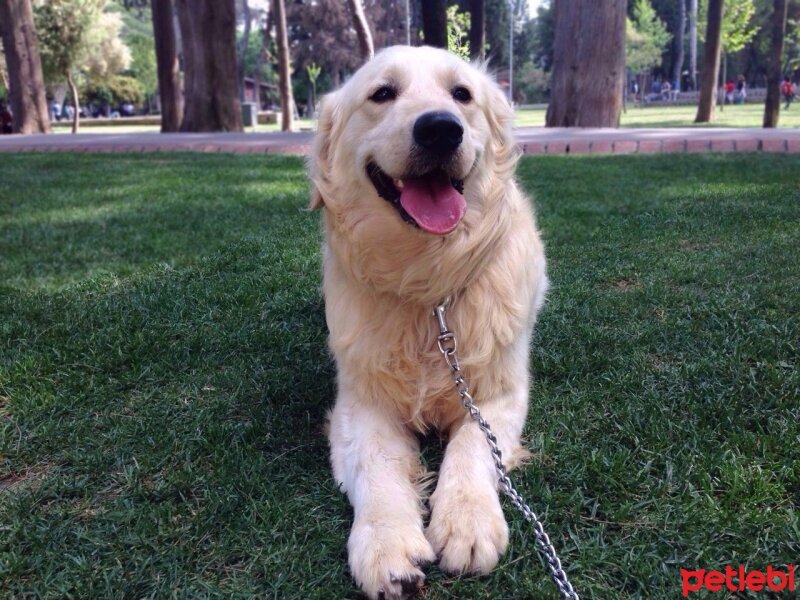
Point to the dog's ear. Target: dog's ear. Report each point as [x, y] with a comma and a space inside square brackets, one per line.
[319, 162]
[500, 116]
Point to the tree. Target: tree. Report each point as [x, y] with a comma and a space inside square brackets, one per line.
[434, 22]
[680, 29]
[737, 31]
[208, 34]
[321, 33]
[362, 29]
[143, 63]
[244, 43]
[708, 87]
[693, 10]
[168, 67]
[544, 36]
[155, 56]
[387, 19]
[477, 29]
[646, 37]
[263, 53]
[25, 79]
[497, 33]
[773, 103]
[313, 72]
[589, 64]
[284, 65]
[68, 32]
[458, 26]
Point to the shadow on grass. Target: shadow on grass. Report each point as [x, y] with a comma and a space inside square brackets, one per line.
[165, 367]
[119, 214]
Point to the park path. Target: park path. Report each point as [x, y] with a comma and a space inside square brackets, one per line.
[532, 140]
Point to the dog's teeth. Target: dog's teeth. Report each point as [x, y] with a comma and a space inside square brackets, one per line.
[398, 183]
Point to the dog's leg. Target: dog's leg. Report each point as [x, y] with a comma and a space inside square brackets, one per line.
[376, 461]
[467, 529]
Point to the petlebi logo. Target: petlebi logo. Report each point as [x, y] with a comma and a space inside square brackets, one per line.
[739, 579]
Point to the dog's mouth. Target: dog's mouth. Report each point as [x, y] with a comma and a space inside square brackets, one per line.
[434, 202]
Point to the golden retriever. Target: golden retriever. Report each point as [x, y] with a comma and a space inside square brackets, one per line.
[413, 166]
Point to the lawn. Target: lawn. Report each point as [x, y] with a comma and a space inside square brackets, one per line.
[87, 126]
[164, 378]
[744, 115]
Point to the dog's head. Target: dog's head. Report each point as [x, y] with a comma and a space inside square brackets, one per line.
[409, 142]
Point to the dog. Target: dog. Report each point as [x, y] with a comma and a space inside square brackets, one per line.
[413, 167]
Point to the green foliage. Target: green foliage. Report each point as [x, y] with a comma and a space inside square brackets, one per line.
[497, 33]
[544, 35]
[62, 27]
[143, 62]
[126, 89]
[458, 32]
[80, 38]
[531, 84]
[791, 47]
[646, 37]
[738, 27]
[313, 70]
[114, 91]
[255, 47]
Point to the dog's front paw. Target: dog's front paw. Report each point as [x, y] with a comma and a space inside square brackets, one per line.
[385, 559]
[467, 530]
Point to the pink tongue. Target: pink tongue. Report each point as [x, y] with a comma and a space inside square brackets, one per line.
[433, 202]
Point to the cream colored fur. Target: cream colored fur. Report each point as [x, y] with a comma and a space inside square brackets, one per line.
[382, 278]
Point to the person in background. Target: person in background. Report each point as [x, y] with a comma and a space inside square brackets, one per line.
[6, 118]
[741, 89]
[666, 88]
[787, 90]
[729, 92]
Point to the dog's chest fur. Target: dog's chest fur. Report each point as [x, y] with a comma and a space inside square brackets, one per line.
[392, 356]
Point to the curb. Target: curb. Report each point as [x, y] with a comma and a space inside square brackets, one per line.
[531, 141]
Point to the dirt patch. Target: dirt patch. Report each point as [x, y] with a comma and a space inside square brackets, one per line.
[691, 246]
[626, 283]
[30, 478]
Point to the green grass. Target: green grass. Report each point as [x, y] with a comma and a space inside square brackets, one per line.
[164, 379]
[743, 115]
[86, 126]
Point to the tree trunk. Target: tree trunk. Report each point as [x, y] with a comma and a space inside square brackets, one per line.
[169, 75]
[677, 67]
[588, 65]
[711, 60]
[722, 92]
[242, 54]
[362, 29]
[76, 104]
[25, 81]
[262, 56]
[774, 69]
[477, 29]
[208, 34]
[284, 65]
[693, 44]
[434, 23]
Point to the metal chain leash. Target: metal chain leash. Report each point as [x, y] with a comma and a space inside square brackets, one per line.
[448, 348]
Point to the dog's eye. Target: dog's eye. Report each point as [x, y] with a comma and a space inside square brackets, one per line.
[385, 93]
[461, 94]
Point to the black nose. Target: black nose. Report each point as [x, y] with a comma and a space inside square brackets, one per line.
[438, 131]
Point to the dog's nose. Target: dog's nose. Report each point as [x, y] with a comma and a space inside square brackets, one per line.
[438, 131]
